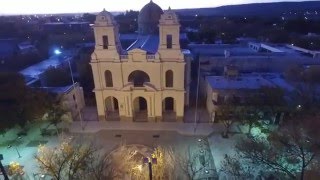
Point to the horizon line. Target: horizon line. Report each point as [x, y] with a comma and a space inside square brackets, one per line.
[122, 11]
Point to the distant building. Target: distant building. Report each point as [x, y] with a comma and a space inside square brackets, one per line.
[241, 88]
[252, 57]
[33, 74]
[11, 48]
[8, 49]
[238, 89]
[149, 80]
[62, 27]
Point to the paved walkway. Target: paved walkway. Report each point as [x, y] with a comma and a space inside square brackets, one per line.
[202, 129]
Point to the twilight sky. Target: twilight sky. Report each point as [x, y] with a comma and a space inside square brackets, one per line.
[74, 6]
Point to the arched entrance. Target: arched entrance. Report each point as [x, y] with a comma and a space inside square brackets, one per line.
[138, 78]
[112, 109]
[169, 112]
[140, 109]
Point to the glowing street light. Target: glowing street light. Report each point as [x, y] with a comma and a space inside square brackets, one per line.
[57, 52]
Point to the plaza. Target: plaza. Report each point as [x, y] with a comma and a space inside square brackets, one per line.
[181, 137]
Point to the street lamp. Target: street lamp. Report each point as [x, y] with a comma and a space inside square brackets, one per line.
[74, 89]
[15, 147]
[197, 98]
[4, 173]
[17, 151]
[147, 161]
[58, 52]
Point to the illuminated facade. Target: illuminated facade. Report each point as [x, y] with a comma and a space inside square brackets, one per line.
[146, 82]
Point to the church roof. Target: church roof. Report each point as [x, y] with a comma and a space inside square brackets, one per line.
[148, 43]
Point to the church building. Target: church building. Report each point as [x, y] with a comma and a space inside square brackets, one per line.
[148, 81]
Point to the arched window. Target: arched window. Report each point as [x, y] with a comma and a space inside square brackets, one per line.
[169, 41]
[138, 78]
[169, 78]
[108, 77]
[105, 42]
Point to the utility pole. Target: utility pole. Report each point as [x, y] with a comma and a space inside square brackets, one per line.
[197, 98]
[18, 152]
[4, 173]
[74, 89]
[150, 161]
[150, 170]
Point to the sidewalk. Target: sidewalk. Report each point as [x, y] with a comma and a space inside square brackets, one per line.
[202, 129]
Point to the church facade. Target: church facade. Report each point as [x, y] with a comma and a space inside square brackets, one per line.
[149, 80]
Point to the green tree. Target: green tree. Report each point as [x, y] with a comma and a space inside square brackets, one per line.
[12, 98]
[19, 103]
[56, 111]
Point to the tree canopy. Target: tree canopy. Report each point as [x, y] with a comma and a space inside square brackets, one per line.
[19, 103]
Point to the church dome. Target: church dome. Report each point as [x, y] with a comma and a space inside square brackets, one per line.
[149, 17]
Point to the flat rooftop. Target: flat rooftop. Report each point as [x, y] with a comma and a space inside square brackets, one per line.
[250, 49]
[218, 50]
[54, 61]
[279, 81]
[60, 90]
[250, 82]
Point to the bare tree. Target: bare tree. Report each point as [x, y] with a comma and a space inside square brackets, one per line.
[232, 167]
[101, 168]
[124, 161]
[166, 162]
[290, 150]
[70, 161]
[252, 117]
[228, 115]
[190, 166]
[225, 116]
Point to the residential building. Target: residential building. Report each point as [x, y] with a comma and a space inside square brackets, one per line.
[71, 98]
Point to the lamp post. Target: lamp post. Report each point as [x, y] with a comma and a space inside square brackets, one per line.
[74, 89]
[18, 152]
[147, 161]
[4, 173]
[197, 98]
[58, 52]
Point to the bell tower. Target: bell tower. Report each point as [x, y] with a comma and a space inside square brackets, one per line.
[108, 46]
[169, 32]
